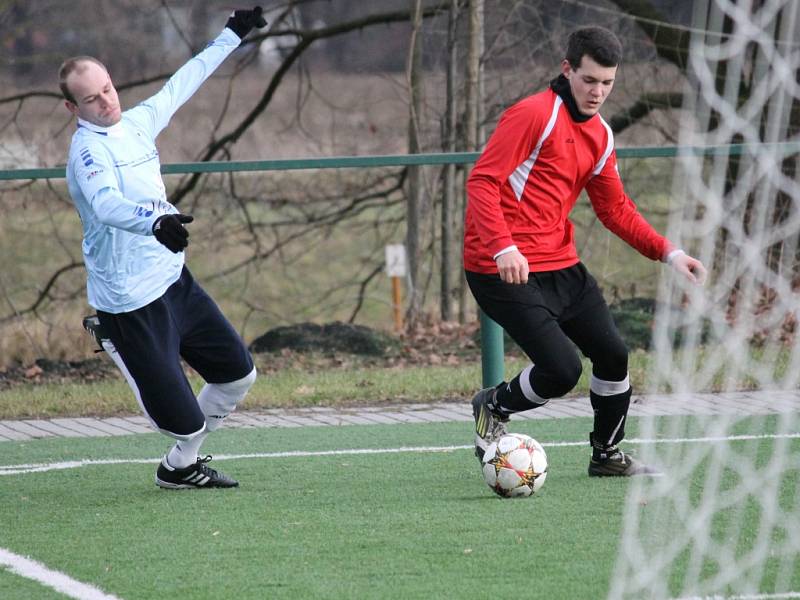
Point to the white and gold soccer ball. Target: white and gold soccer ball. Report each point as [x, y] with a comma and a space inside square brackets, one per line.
[515, 466]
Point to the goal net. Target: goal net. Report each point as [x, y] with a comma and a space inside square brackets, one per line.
[724, 522]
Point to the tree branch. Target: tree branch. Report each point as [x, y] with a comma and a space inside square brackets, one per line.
[43, 295]
[672, 43]
[646, 103]
[362, 290]
[307, 38]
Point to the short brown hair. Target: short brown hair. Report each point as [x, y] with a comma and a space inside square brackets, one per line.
[598, 43]
[69, 66]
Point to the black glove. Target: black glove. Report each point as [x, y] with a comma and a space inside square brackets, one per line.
[242, 21]
[169, 230]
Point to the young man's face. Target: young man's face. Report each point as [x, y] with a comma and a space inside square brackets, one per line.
[590, 83]
[96, 99]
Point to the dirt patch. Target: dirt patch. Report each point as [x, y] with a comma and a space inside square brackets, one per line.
[44, 371]
[331, 337]
[429, 344]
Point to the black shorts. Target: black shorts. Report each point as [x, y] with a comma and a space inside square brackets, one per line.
[550, 315]
[150, 341]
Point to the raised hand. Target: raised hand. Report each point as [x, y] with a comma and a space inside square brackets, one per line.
[241, 22]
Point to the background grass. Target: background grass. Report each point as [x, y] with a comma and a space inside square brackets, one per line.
[321, 381]
[303, 386]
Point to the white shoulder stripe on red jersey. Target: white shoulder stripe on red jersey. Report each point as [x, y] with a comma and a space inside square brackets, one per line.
[519, 177]
[609, 148]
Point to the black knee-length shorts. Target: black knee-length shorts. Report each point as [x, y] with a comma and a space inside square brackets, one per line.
[150, 341]
[550, 315]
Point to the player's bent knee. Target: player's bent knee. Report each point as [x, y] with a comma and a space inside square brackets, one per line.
[613, 362]
[219, 399]
[240, 386]
[557, 380]
[567, 377]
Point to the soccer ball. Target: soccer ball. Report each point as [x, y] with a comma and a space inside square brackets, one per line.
[515, 466]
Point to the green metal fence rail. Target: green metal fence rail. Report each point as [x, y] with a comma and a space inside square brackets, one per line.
[395, 160]
[291, 164]
[492, 351]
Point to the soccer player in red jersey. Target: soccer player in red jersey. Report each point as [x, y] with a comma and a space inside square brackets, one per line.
[520, 258]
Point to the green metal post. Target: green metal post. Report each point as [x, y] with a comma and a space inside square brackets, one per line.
[491, 351]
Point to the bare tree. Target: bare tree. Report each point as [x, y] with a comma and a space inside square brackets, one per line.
[449, 123]
[415, 213]
[367, 202]
[261, 227]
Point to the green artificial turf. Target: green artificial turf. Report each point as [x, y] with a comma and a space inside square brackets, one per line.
[381, 525]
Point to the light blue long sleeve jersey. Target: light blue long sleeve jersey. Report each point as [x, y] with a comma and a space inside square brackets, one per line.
[114, 178]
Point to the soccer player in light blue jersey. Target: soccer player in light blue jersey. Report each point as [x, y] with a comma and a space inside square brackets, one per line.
[150, 311]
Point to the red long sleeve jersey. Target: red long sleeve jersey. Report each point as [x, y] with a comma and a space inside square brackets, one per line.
[527, 181]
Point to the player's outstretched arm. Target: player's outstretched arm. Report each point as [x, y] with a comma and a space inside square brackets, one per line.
[154, 114]
[689, 267]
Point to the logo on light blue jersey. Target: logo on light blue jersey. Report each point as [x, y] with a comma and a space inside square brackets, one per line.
[86, 157]
[141, 211]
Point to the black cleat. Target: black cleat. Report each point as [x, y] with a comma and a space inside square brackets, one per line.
[618, 464]
[197, 475]
[489, 425]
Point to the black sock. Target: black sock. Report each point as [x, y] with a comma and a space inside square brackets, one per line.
[610, 413]
[510, 399]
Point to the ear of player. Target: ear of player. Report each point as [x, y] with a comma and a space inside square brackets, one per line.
[241, 22]
[169, 230]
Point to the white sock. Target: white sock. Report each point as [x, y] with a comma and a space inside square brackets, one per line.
[185, 452]
[218, 400]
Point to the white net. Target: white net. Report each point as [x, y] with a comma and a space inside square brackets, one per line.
[725, 520]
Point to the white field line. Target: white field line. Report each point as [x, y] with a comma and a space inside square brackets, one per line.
[775, 596]
[30, 569]
[21, 469]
